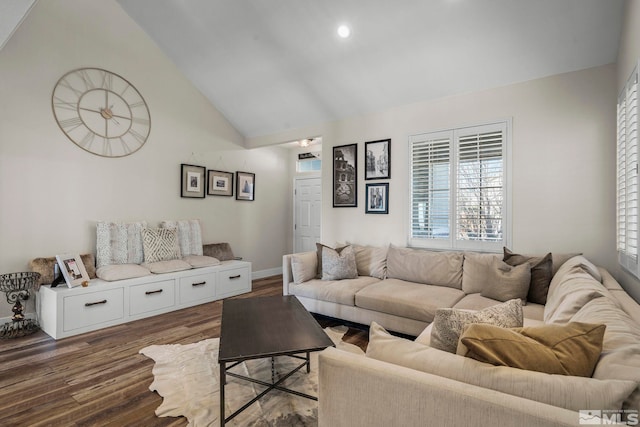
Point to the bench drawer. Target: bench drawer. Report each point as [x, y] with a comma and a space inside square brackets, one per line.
[92, 308]
[197, 288]
[150, 297]
[233, 282]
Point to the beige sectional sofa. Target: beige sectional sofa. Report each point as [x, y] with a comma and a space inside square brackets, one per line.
[407, 382]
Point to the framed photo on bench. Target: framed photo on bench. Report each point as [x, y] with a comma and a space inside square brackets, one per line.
[219, 183]
[72, 269]
[192, 181]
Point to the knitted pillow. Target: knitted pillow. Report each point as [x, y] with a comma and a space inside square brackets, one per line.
[160, 244]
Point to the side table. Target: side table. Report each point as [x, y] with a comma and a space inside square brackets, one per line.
[17, 288]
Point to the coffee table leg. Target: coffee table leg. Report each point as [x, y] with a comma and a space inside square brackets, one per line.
[308, 363]
[273, 370]
[223, 380]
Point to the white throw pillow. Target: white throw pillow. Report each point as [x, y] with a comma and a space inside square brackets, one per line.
[160, 244]
[189, 235]
[119, 243]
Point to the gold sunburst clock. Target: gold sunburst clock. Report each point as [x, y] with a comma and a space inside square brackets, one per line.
[101, 112]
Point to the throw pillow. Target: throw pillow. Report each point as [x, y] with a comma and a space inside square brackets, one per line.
[304, 267]
[371, 261]
[160, 244]
[339, 265]
[45, 266]
[541, 273]
[448, 323]
[220, 251]
[189, 235]
[508, 282]
[568, 392]
[319, 247]
[571, 349]
[119, 243]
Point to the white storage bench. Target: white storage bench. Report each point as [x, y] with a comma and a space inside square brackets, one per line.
[64, 312]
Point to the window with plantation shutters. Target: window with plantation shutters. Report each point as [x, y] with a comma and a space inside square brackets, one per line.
[627, 176]
[459, 188]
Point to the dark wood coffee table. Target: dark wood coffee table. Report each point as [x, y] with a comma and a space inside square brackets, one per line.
[256, 328]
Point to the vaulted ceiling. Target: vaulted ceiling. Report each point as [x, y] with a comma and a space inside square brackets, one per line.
[274, 65]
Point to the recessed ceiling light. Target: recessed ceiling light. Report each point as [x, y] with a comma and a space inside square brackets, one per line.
[344, 31]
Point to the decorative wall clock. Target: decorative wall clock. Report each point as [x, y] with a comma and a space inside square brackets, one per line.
[101, 112]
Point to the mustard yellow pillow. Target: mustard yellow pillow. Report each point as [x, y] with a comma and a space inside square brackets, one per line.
[571, 349]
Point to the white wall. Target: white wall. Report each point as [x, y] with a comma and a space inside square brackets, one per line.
[628, 56]
[52, 192]
[563, 157]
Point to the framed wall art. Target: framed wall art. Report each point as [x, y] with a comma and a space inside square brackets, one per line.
[245, 186]
[377, 198]
[192, 181]
[345, 176]
[378, 159]
[219, 183]
[73, 270]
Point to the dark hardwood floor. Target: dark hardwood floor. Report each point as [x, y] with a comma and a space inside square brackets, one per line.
[98, 378]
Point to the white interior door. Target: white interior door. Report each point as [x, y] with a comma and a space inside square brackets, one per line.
[307, 218]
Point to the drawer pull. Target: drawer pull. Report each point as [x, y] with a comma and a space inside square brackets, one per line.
[159, 291]
[199, 284]
[235, 277]
[89, 304]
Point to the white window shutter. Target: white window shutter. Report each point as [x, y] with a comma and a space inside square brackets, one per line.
[627, 176]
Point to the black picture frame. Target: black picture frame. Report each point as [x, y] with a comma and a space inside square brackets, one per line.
[377, 159]
[219, 183]
[245, 186]
[377, 198]
[345, 176]
[192, 181]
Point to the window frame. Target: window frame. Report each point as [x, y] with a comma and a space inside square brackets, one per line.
[452, 242]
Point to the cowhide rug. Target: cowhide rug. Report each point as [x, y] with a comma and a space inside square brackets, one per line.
[187, 377]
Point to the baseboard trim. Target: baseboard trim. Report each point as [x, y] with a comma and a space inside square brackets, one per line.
[266, 273]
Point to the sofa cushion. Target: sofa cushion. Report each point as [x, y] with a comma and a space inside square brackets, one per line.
[531, 311]
[620, 358]
[508, 282]
[338, 265]
[449, 323]
[337, 291]
[121, 271]
[568, 295]
[428, 267]
[475, 271]
[189, 235]
[541, 273]
[304, 267]
[199, 261]
[371, 261]
[167, 266]
[407, 299]
[119, 243]
[571, 349]
[574, 393]
[160, 244]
